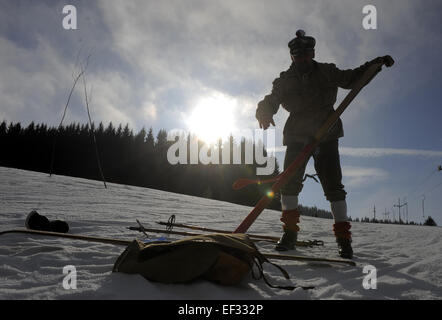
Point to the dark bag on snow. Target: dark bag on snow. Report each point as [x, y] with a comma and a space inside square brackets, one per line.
[222, 258]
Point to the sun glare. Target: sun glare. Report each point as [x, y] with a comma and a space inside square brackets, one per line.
[213, 118]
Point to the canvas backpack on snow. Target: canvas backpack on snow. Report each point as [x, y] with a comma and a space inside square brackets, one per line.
[222, 258]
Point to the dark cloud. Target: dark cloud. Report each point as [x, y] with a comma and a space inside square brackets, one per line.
[160, 55]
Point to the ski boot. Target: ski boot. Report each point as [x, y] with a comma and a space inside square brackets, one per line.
[36, 221]
[290, 218]
[287, 241]
[343, 239]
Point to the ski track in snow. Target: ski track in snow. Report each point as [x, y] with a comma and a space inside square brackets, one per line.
[407, 258]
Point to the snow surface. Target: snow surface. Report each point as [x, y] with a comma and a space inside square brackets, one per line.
[408, 259]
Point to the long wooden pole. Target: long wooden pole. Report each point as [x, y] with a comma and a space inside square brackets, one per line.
[127, 242]
[181, 225]
[306, 243]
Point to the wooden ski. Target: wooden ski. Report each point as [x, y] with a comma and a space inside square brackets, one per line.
[127, 242]
[305, 243]
[181, 225]
[70, 236]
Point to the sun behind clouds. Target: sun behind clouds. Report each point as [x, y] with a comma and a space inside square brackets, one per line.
[213, 118]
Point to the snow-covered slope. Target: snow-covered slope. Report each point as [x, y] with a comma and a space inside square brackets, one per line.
[407, 258]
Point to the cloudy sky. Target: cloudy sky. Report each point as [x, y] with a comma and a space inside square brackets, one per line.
[164, 64]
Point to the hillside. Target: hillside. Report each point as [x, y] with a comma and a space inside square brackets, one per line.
[407, 258]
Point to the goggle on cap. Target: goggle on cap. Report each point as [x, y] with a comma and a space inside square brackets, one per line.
[301, 44]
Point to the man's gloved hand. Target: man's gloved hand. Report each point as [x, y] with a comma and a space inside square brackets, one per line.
[265, 123]
[386, 60]
[263, 116]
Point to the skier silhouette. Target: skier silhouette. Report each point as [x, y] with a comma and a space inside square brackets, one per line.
[308, 90]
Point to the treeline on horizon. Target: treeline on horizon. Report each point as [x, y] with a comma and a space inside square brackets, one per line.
[138, 159]
[428, 222]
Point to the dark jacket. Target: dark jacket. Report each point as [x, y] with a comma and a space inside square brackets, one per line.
[309, 98]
